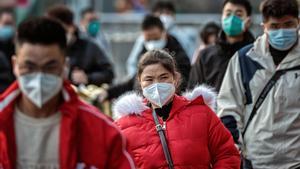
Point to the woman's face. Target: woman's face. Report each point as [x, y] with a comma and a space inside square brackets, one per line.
[156, 73]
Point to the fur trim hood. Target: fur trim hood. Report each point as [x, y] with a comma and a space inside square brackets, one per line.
[132, 103]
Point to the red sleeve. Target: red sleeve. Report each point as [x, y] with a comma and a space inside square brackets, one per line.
[223, 152]
[119, 157]
[4, 162]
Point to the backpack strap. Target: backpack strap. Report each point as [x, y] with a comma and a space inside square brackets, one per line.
[262, 96]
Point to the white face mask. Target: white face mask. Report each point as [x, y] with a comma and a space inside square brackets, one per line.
[167, 20]
[40, 87]
[155, 44]
[159, 93]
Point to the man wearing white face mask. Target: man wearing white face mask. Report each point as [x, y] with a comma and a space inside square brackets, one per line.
[259, 97]
[166, 11]
[43, 123]
[156, 37]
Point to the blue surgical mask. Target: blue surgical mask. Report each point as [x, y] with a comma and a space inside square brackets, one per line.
[283, 39]
[233, 25]
[6, 32]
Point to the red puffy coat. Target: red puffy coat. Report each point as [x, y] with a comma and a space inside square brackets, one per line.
[88, 139]
[196, 137]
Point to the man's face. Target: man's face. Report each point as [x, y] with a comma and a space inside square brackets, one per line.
[285, 22]
[212, 39]
[32, 58]
[89, 17]
[238, 10]
[7, 19]
[153, 34]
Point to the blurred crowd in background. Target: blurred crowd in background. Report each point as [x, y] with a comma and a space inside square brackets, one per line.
[233, 46]
[120, 31]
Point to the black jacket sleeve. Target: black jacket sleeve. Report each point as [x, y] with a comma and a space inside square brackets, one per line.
[197, 73]
[184, 67]
[102, 71]
[6, 76]
[119, 89]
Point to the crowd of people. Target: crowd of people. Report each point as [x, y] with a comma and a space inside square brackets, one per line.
[232, 102]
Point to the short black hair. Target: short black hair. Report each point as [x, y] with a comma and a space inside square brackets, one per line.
[163, 5]
[6, 10]
[151, 21]
[86, 10]
[279, 8]
[209, 29]
[61, 13]
[41, 30]
[245, 3]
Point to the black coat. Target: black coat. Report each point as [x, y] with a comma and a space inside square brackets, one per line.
[6, 75]
[182, 62]
[87, 56]
[8, 48]
[212, 62]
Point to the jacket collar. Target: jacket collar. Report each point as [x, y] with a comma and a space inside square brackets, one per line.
[133, 104]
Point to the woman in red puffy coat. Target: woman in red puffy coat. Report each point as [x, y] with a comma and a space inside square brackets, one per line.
[195, 137]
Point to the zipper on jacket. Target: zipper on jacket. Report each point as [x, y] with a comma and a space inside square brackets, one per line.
[164, 125]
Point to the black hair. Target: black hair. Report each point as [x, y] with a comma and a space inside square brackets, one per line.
[163, 5]
[86, 10]
[6, 10]
[154, 57]
[41, 30]
[61, 13]
[279, 8]
[245, 3]
[151, 21]
[209, 29]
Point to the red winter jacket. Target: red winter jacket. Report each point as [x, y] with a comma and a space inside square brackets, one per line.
[87, 137]
[196, 137]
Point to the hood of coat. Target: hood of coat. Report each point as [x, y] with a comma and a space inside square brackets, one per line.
[132, 103]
